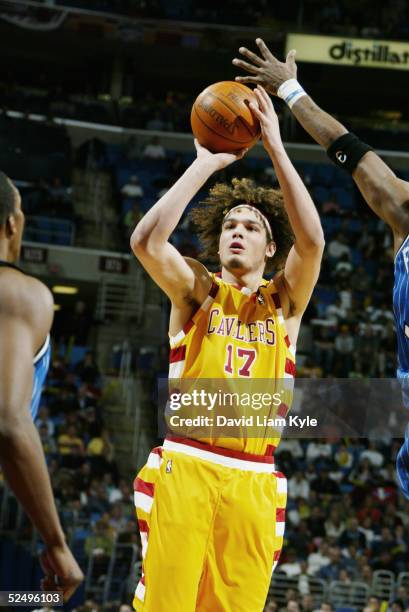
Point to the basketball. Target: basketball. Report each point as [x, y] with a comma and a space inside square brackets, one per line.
[222, 120]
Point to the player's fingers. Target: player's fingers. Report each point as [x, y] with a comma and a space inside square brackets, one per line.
[247, 79]
[260, 100]
[251, 56]
[45, 564]
[242, 64]
[290, 59]
[265, 51]
[256, 110]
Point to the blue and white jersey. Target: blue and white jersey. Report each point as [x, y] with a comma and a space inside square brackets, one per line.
[401, 311]
[41, 364]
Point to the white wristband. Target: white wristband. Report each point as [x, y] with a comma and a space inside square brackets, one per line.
[290, 91]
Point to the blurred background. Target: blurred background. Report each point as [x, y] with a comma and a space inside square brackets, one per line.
[95, 101]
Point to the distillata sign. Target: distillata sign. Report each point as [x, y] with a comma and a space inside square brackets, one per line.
[350, 51]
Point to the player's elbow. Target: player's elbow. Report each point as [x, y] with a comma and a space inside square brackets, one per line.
[10, 426]
[314, 244]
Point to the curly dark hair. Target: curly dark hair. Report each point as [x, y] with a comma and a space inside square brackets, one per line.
[208, 217]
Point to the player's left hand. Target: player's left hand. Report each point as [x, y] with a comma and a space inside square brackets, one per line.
[62, 572]
[265, 113]
[267, 70]
[219, 160]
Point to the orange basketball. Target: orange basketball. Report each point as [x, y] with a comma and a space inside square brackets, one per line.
[222, 120]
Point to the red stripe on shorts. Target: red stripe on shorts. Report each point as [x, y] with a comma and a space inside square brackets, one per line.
[282, 410]
[143, 526]
[280, 515]
[270, 450]
[289, 367]
[218, 450]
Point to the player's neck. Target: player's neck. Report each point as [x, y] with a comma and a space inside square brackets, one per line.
[252, 280]
[4, 252]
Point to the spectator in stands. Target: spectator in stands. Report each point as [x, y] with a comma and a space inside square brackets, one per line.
[334, 526]
[397, 606]
[373, 605]
[96, 498]
[336, 312]
[132, 189]
[44, 419]
[71, 448]
[99, 545]
[324, 486]
[78, 324]
[366, 575]
[336, 564]
[117, 520]
[48, 442]
[338, 247]
[291, 566]
[316, 522]
[402, 594]
[156, 123]
[373, 455]
[330, 206]
[154, 150]
[271, 606]
[367, 346]
[318, 559]
[87, 369]
[360, 280]
[343, 268]
[307, 603]
[317, 450]
[344, 352]
[298, 486]
[352, 535]
[299, 539]
[344, 458]
[132, 218]
[325, 607]
[323, 348]
[101, 453]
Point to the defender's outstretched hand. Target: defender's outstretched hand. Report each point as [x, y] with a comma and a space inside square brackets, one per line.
[221, 160]
[265, 113]
[267, 70]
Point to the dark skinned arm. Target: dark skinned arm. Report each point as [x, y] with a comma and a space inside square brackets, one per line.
[383, 191]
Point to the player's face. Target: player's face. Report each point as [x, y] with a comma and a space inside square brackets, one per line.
[16, 228]
[243, 244]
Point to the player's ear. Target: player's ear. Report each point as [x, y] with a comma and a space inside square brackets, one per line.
[271, 249]
[10, 226]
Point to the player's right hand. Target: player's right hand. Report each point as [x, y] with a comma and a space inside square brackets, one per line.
[220, 160]
[267, 70]
[62, 572]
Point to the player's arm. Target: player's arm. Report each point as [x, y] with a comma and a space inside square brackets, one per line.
[382, 190]
[21, 454]
[304, 259]
[150, 240]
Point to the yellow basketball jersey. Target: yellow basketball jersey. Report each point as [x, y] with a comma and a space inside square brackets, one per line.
[238, 335]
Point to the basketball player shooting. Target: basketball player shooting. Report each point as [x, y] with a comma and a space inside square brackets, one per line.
[26, 314]
[384, 192]
[212, 517]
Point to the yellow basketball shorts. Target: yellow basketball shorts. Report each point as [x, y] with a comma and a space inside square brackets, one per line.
[212, 524]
